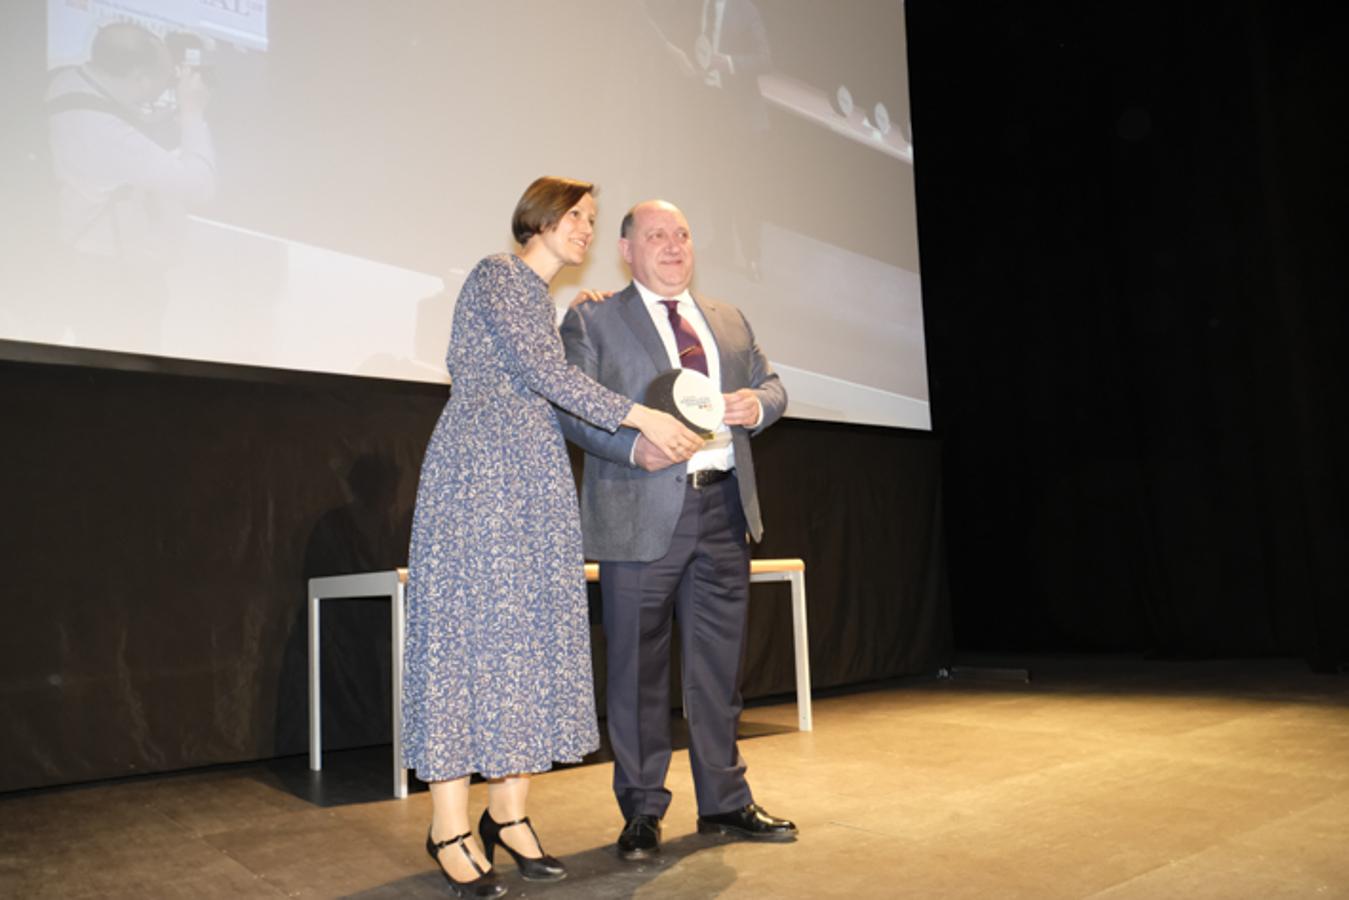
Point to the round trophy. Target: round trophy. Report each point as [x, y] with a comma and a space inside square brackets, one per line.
[689, 396]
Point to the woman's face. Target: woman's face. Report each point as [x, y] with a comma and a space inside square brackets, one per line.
[570, 238]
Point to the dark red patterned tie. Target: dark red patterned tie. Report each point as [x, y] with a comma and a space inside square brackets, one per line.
[691, 353]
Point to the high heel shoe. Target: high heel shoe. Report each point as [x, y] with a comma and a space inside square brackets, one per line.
[486, 885]
[532, 868]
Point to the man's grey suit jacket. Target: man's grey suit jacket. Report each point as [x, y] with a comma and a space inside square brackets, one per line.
[627, 513]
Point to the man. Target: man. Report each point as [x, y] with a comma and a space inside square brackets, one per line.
[673, 541]
[127, 169]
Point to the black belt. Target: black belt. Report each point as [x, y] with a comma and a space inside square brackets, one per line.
[703, 477]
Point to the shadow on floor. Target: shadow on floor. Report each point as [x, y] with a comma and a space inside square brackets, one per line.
[599, 874]
[364, 774]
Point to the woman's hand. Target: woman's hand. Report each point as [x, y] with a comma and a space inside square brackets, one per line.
[665, 431]
[585, 295]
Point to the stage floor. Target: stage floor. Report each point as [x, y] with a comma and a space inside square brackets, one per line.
[1109, 777]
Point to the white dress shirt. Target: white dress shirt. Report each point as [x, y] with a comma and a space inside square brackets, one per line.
[717, 453]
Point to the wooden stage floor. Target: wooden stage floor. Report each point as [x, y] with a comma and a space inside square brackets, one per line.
[1101, 778]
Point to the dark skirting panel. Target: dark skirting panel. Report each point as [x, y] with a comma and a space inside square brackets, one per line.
[158, 529]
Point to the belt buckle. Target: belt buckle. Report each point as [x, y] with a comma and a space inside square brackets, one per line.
[704, 477]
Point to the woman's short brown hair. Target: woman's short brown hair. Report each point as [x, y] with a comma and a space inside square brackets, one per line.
[545, 202]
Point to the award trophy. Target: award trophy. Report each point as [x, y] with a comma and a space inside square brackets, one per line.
[689, 396]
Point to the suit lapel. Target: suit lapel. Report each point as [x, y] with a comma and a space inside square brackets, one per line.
[639, 322]
[712, 316]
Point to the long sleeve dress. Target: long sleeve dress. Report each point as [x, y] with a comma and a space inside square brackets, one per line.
[497, 670]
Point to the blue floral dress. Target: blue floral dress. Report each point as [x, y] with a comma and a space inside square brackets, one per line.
[497, 675]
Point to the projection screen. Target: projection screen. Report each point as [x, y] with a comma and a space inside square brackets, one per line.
[355, 159]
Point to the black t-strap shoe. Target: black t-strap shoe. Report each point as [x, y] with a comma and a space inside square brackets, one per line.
[486, 885]
[532, 868]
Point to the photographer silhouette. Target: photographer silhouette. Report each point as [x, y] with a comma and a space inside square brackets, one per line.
[127, 165]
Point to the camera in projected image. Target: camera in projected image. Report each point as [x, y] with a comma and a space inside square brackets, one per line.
[190, 54]
[189, 51]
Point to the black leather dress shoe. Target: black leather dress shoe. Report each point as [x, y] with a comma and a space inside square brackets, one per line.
[750, 823]
[640, 838]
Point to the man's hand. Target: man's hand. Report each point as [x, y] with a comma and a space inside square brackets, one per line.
[742, 408]
[650, 457]
[589, 296]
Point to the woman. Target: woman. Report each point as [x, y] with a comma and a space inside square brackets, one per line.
[498, 676]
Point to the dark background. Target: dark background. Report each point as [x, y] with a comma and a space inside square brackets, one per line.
[1131, 222]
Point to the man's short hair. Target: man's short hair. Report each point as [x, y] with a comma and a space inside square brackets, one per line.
[625, 227]
[545, 202]
[121, 49]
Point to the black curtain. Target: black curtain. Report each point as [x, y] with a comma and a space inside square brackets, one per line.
[1132, 222]
[159, 526]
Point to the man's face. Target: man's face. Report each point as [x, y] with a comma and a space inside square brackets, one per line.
[659, 248]
[153, 79]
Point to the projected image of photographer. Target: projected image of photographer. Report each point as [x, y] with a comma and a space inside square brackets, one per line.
[128, 164]
[164, 170]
